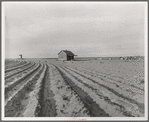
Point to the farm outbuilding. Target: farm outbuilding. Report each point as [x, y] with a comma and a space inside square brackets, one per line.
[65, 55]
[20, 56]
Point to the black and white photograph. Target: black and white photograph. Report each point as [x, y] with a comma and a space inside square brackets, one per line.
[76, 61]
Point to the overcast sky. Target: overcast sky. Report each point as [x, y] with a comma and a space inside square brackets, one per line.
[42, 30]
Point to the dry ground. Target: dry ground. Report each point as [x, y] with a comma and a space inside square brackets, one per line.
[89, 88]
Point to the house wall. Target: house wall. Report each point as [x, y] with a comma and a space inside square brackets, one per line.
[62, 56]
[70, 57]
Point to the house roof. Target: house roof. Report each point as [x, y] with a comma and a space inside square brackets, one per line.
[69, 53]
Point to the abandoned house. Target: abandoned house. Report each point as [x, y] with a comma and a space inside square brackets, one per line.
[66, 55]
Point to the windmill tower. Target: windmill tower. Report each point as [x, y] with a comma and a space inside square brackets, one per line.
[20, 56]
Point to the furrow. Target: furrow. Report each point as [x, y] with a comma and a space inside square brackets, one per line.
[8, 66]
[86, 95]
[122, 88]
[68, 103]
[48, 107]
[18, 71]
[17, 102]
[19, 75]
[34, 106]
[10, 85]
[109, 90]
[14, 68]
[112, 80]
[102, 104]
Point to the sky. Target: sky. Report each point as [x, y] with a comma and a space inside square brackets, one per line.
[88, 29]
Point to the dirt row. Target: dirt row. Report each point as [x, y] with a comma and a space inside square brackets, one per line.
[12, 63]
[128, 106]
[94, 109]
[67, 102]
[122, 88]
[16, 97]
[20, 76]
[51, 96]
[55, 91]
[112, 78]
[17, 71]
[19, 66]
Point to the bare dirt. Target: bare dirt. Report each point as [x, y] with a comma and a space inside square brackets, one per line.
[48, 108]
[91, 88]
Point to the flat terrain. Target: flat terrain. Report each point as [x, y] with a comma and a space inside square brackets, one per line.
[81, 88]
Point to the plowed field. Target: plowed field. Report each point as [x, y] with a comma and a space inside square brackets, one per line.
[94, 88]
